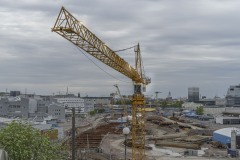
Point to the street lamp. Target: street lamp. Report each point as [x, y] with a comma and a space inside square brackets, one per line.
[126, 131]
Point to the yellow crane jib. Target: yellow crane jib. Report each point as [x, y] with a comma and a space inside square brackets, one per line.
[70, 28]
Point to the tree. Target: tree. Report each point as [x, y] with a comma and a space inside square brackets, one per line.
[199, 110]
[92, 113]
[164, 104]
[178, 104]
[22, 142]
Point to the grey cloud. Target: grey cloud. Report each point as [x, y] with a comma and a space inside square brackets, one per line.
[184, 43]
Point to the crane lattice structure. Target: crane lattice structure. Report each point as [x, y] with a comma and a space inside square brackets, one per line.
[71, 29]
[123, 103]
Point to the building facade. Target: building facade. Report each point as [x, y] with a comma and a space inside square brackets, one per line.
[42, 106]
[68, 103]
[88, 105]
[227, 120]
[233, 96]
[99, 102]
[58, 111]
[14, 107]
[193, 94]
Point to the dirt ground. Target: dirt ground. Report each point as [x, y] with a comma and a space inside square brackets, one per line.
[112, 145]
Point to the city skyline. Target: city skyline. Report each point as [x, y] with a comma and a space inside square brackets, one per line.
[160, 95]
[183, 44]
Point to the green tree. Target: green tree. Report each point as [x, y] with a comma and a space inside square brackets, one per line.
[23, 142]
[92, 113]
[101, 110]
[199, 110]
[164, 104]
[178, 104]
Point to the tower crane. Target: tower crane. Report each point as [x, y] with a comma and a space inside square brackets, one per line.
[122, 100]
[71, 29]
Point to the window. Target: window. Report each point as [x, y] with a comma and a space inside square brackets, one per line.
[235, 121]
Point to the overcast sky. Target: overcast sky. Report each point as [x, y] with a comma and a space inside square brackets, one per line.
[184, 43]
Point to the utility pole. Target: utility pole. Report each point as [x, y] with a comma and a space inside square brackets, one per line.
[73, 133]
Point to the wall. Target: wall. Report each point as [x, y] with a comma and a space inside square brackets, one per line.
[57, 111]
[214, 110]
[14, 107]
[221, 138]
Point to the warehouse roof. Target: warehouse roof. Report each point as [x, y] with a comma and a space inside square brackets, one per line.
[227, 131]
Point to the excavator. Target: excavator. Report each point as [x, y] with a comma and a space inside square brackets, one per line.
[74, 31]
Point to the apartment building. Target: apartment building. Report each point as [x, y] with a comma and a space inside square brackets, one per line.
[14, 107]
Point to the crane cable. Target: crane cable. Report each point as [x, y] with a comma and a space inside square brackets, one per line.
[125, 49]
[100, 67]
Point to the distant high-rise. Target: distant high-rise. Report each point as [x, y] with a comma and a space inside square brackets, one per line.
[15, 93]
[193, 94]
[233, 96]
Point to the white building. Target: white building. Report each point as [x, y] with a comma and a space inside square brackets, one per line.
[227, 120]
[68, 103]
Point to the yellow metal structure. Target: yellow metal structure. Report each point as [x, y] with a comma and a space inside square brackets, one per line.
[70, 28]
[122, 100]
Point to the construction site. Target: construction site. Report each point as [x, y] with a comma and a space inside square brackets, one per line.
[73, 72]
[165, 138]
[135, 134]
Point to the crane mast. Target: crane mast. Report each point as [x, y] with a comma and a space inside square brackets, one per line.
[74, 31]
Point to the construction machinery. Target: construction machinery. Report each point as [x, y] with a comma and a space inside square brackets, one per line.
[74, 31]
[124, 113]
[122, 100]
